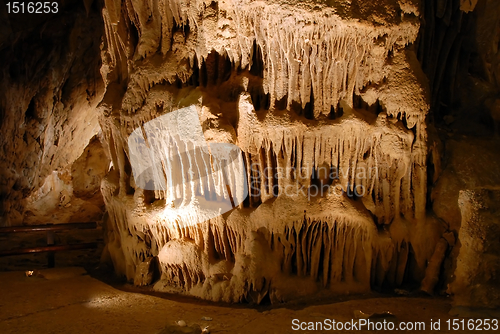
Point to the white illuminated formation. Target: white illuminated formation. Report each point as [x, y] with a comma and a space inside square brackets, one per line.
[170, 156]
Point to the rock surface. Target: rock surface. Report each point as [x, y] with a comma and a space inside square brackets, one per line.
[318, 96]
[477, 282]
[50, 86]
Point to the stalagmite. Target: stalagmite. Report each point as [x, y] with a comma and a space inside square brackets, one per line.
[432, 273]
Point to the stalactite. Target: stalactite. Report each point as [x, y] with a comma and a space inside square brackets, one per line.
[313, 101]
[329, 56]
[341, 144]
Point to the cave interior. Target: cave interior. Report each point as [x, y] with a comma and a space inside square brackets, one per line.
[196, 166]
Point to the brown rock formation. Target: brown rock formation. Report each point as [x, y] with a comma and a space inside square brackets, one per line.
[477, 282]
[50, 87]
[302, 88]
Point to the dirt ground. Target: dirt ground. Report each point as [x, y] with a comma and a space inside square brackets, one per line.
[68, 300]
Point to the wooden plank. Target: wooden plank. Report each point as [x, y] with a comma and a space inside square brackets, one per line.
[43, 249]
[48, 227]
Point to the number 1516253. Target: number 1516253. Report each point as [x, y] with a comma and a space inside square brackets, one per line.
[32, 7]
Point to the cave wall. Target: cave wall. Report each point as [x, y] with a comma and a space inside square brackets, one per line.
[459, 52]
[458, 49]
[50, 87]
[296, 86]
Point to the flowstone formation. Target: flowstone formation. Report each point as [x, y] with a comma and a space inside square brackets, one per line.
[326, 101]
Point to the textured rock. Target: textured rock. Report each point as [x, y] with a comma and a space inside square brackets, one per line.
[327, 103]
[459, 53]
[432, 272]
[72, 194]
[144, 273]
[470, 163]
[477, 279]
[50, 86]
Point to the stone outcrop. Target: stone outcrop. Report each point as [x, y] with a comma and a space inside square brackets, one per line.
[324, 98]
[477, 280]
[51, 85]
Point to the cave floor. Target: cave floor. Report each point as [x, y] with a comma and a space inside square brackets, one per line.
[67, 300]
